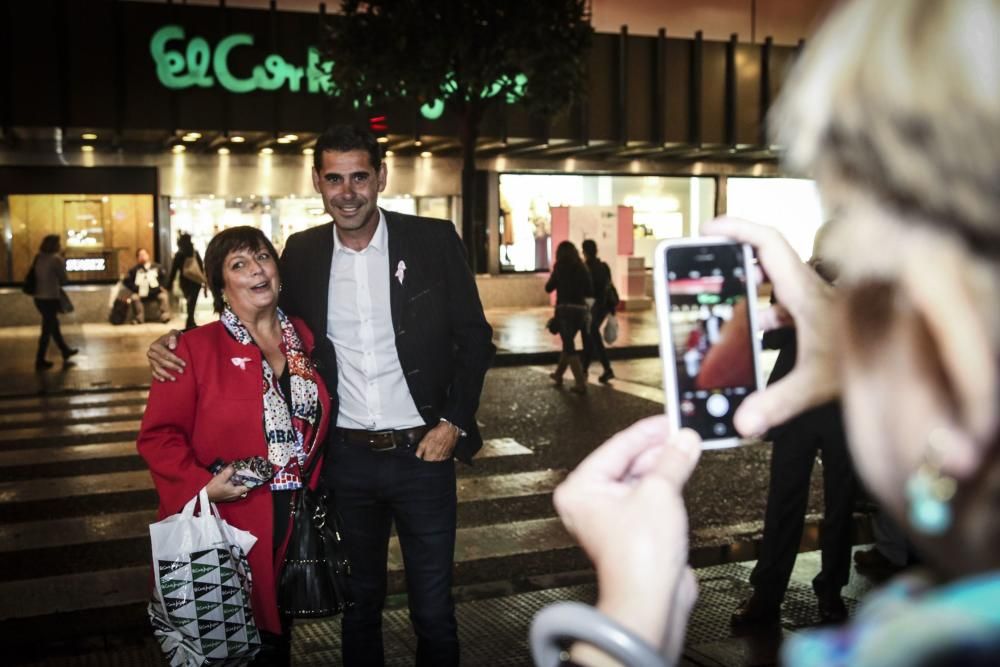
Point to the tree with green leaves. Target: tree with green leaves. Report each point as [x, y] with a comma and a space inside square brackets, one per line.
[468, 56]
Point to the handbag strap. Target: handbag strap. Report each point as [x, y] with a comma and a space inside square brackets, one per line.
[311, 467]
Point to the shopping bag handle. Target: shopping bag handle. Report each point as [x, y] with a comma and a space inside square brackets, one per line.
[206, 507]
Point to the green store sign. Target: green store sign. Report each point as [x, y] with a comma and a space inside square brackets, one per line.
[180, 66]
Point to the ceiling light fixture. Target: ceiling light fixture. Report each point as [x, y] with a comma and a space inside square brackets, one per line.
[223, 151]
[87, 149]
[237, 139]
[88, 136]
[266, 151]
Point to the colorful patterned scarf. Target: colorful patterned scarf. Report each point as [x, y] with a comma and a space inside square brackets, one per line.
[289, 435]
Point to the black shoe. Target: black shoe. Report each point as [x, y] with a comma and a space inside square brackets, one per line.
[43, 365]
[69, 352]
[832, 609]
[606, 376]
[755, 612]
[872, 559]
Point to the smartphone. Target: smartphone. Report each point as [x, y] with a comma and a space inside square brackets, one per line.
[706, 300]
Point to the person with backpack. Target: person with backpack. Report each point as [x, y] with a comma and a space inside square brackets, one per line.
[189, 265]
[605, 303]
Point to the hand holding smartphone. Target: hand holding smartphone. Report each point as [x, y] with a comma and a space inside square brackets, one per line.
[706, 307]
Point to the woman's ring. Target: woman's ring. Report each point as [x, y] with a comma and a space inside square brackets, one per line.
[243, 495]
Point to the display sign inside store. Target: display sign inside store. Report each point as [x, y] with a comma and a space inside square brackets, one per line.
[75, 264]
[197, 63]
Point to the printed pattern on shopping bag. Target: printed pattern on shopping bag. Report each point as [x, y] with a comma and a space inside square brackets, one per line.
[207, 603]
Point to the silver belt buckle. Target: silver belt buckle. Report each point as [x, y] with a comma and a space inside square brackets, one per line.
[392, 439]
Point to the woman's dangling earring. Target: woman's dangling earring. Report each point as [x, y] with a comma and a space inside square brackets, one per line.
[929, 491]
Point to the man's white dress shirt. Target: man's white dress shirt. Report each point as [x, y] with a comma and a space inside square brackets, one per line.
[371, 387]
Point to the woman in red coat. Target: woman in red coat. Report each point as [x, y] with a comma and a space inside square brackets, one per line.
[249, 389]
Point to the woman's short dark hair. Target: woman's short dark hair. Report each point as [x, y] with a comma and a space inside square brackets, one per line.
[49, 244]
[228, 241]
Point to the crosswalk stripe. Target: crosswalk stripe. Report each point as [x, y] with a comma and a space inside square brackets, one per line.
[27, 535]
[74, 592]
[105, 450]
[71, 487]
[131, 585]
[654, 394]
[72, 401]
[492, 448]
[470, 489]
[88, 415]
[62, 435]
[496, 447]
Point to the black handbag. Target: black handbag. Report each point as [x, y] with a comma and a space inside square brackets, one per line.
[552, 325]
[314, 579]
[30, 281]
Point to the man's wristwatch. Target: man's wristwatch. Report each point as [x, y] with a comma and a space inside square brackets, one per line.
[461, 433]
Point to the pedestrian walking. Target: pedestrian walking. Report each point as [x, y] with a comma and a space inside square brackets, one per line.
[189, 267]
[605, 303]
[574, 290]
[49, 269]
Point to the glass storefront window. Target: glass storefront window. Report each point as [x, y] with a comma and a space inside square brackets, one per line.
[100, 233]
[791, 205]
[278, 217]
[663, 207]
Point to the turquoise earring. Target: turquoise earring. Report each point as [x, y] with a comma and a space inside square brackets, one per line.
[929, 491]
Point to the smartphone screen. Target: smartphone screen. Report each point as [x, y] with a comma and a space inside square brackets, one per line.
[705, 305]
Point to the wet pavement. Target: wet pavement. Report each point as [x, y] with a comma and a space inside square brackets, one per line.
[75, 501]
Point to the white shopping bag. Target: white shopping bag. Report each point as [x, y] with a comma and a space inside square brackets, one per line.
[611, 329]
[200, 610]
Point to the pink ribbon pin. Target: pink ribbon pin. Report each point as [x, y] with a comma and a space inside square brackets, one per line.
[400, 271]
[241, 362]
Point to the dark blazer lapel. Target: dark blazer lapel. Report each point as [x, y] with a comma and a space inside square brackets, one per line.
[397, 252]
[321, 279]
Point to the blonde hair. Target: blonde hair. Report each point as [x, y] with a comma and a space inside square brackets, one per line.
[899, 101]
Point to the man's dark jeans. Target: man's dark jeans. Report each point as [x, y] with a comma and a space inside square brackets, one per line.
[373, 490]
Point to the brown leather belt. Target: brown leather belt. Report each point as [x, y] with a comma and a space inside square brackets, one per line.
[383, 441]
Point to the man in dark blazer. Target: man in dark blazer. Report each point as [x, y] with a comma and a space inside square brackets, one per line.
[403, 346]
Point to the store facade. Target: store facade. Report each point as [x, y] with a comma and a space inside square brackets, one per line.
[219, 107]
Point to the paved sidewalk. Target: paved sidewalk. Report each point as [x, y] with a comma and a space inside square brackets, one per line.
[115, 355]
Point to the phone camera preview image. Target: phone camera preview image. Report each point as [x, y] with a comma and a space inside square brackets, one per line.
[710, 331]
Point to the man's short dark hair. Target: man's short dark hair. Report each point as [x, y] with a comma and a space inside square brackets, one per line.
[589, 247]
[344, 138]
[225, 242]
